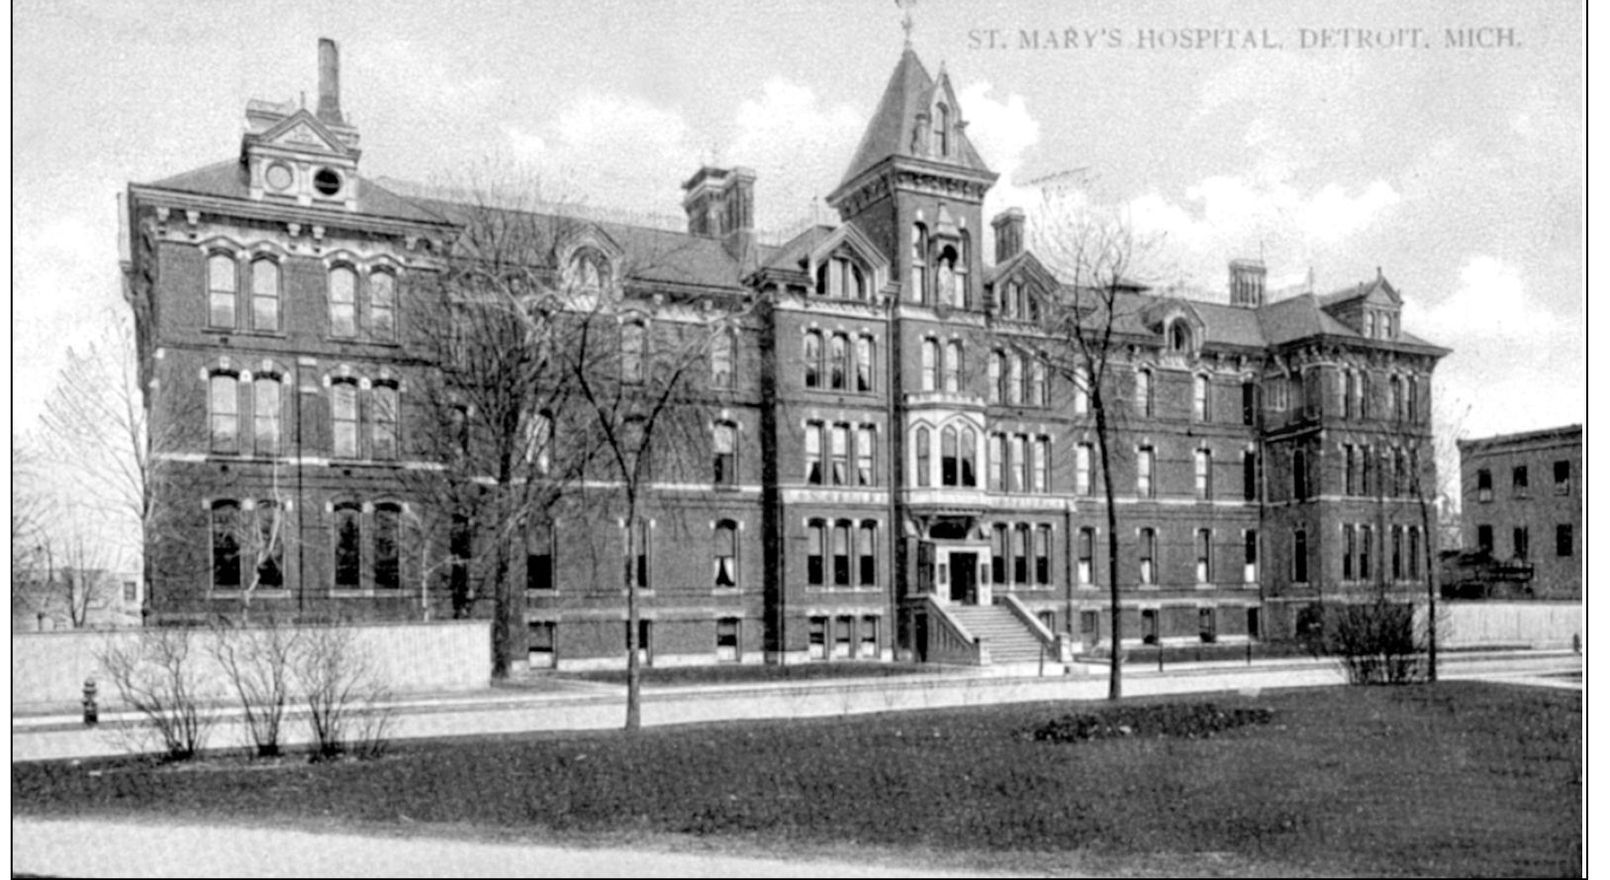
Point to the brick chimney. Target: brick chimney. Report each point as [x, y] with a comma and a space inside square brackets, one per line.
[1008, 234]
[329, 82]
[720, 203]
[1247, 283]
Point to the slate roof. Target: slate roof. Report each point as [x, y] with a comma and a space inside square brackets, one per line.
[227, 179]
[909, 92]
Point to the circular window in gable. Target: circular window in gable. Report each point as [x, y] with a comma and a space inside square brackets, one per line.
[279, 176]
[327, 181]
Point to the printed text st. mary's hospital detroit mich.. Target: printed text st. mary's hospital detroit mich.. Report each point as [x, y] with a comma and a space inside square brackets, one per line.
[1244, 38]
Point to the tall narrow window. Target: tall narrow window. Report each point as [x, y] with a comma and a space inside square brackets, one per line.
[1037, 382]
[1366, 542]
[1523, 543]
[924, 474]
[1350, 400]
[1207, 624]
[1014, 379]
[538, 440]
[632, 345]
[1299, 556]
[997, 462]
[1562, 477]
[1564, 542]
[838, 374]
[1086, 551]
[919, 263]
[1365, 403]
[815, 534]
[930, 364]
[221, 285]
[1249, 569]
[1042, 465]
[265, 295]
[1143, 472]
[270, 545]
[1020, 461]
[1249, 476]
[813, 360]
[1200, 401]
[947, 457]
[225, 545]
[726, 554]
[727, 639]
[1349, 548]
[841, 554]
[1042, 555]
[841, 455]
[969, 457]
[344, 419]
[223, 397]
[863, 363]
[384, 422]
[1148, 556]
[953, 366]
[1299, 475]
[383, 306]
[1204, 556]
[1484, 485]
[343, 302]
[1081, 391]
[942, 129]
[1249, 402]
[348, 547]
[1414, 553]
[865, 451]
[997, 552]
[1148, 625]
[539, 547]
[644, 555]
[1395, 390]
[997, 377]
[1082, 483]
[1204, 475]
[813, 453]
[866, 548]
[266, 414]
[1484, 540]
[721, 359]
[1519, 481]
[1143, 393]
[388, 544]
[1349, 470]
[1397, 553]
[1020, 554]
[724, 443]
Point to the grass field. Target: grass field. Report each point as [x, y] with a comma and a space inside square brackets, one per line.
[1437, 780]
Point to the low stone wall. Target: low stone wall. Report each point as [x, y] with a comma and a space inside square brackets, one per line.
[1533, 624]
[48, 669]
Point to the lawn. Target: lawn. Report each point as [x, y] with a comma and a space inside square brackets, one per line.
[1436, 780]
[674, 676]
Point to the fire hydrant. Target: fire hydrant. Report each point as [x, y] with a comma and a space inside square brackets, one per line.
[92, 713]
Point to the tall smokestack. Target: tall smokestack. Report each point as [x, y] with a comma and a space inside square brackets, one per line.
[329, 82]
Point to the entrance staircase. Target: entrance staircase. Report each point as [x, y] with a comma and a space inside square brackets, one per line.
[1007, 638]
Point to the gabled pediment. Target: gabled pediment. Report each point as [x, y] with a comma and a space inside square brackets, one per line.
[302, 131]
[849, 237]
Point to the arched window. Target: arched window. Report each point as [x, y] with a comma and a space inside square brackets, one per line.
[632, 345]
[997, 462]
[963, 294]
[813, 453]
[947, 457]
[816, 536]
[1179, 337]
[343, 302]
[725, 553]
[1019, 461]
[950, 291]
[537, 434]
[266, 414]
[919, 263]
[1037, 391]
[383, 306]
[344, 419]
[969, 457]
[221, 286]
[223, 403]
[265, 295]
[1299, 475]
[721, 359]
[839, 361]
[863, 363]
[1042, 463]
[865, 456]
[1200, 401]
[270, 545]
[1143, 392]
[997, 376]
[841, 553]
[383, 422]
[724, 442]
[1081, 391]
[348, 539]
[225, 545]
[1020, 554]
[840, 451]
[1365, 404]
[997, 553]
[813, 360]
[388, 547]
[857, 286]
[588, 269]
[1395, 384]
[866, 547]
[1014, 379]
[953, 366]
[930, 364]
[1299, 556]
[924, 475]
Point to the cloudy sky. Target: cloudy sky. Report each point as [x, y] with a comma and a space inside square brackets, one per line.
[1459, 172]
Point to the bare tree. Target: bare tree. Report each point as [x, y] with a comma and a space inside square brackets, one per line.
[1431, 483]
[1095, 254]
[157, 675]
[258, 663]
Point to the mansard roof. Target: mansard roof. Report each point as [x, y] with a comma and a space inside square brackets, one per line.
[228, 179]
[910, 91]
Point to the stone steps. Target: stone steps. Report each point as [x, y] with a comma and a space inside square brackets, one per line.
[1008, 639]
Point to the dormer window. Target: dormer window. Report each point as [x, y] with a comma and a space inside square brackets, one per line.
[1179, 338]
[841, 278]
[588, 270]
[942, 130]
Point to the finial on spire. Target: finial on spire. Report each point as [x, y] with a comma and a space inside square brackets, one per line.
[905, 21]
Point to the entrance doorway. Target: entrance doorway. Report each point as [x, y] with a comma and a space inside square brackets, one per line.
[964, 578]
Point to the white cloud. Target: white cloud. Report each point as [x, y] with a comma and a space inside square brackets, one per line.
[798, 148]
[1004, 132]
[1491, 305]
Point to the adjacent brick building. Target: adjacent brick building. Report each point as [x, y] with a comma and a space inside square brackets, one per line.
[1522, 500]
[890, 445]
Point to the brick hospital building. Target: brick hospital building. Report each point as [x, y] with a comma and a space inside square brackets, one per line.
[894, 465]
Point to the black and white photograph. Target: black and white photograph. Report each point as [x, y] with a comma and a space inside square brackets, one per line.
[863, 438]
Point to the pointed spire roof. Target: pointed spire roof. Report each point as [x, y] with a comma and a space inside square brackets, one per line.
[893, 129]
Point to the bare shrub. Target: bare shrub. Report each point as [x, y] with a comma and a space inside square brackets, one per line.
[156, 675]
[257, 661]
[1377, 642]
[345, 695]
